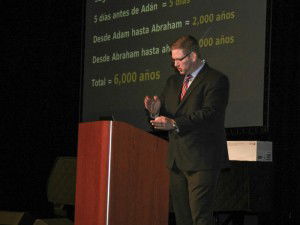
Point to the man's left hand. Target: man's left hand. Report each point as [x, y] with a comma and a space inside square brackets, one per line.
[163, 123]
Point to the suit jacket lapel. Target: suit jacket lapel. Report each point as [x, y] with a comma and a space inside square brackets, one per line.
[178, 88]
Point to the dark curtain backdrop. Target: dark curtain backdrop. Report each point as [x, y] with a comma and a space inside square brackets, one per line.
[40, 98]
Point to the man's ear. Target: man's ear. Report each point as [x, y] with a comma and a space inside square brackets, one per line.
[194, 56]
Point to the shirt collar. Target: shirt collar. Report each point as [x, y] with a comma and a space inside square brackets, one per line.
[195, 73]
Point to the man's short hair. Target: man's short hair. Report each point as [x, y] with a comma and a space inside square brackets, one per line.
[187, 44]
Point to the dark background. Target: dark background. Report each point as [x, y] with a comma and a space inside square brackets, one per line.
[40, 91]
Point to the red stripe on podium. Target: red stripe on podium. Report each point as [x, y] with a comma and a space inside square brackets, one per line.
[92, 162]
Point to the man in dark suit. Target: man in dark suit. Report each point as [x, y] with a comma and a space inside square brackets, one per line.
[192, 108]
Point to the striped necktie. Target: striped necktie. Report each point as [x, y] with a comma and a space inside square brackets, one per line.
[185, 85]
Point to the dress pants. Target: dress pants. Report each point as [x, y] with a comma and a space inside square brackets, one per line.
[193, 195]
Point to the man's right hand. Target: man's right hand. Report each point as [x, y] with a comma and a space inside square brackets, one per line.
[152, 104]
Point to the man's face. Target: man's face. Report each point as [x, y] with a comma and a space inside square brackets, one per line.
[183, 61]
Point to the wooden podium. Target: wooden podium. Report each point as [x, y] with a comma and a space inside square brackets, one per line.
[122, 177]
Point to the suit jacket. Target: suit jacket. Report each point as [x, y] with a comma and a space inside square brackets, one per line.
[200, 143]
